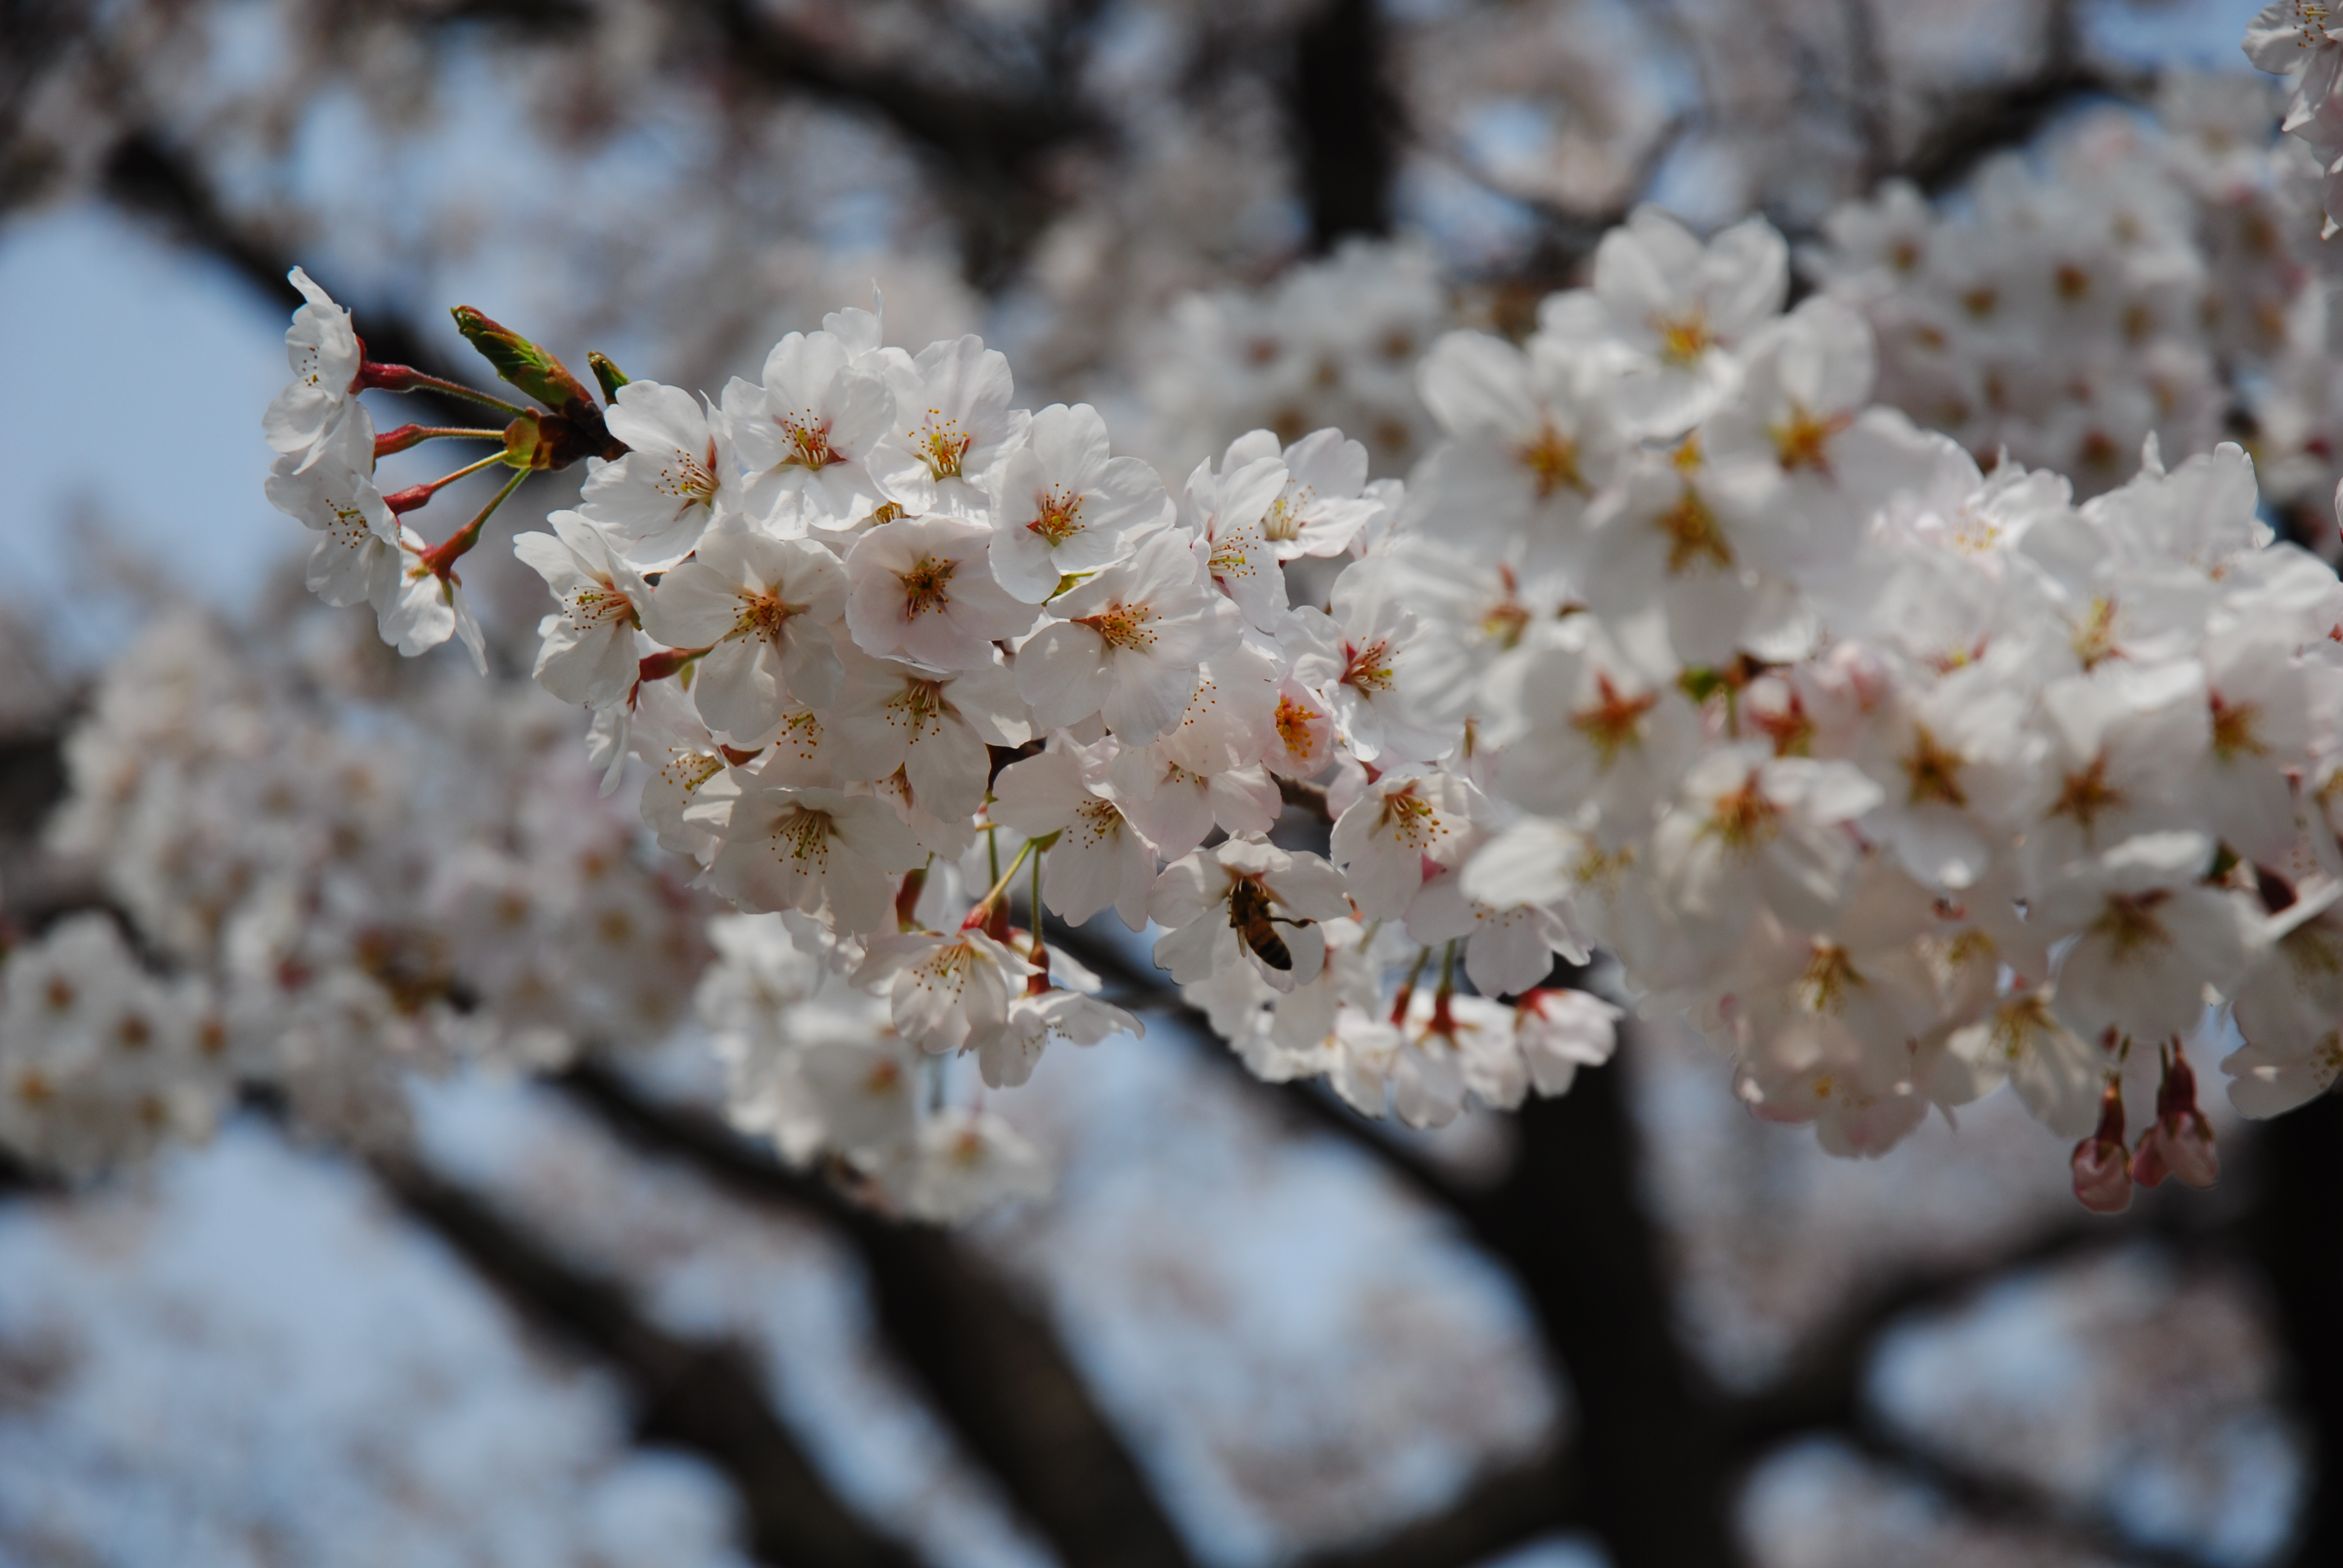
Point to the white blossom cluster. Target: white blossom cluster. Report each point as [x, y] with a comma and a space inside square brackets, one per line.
[2298, 38]
[336, 894]
[1330, 343]
[2132, 278]
[1901, 777]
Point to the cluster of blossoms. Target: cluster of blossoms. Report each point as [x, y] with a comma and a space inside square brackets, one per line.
[1901, 767]
[1332, 343]
[2299, 38]
[338, 890]
[1899, 779]
[881, 641]
[2059, 316]
[2131, 278]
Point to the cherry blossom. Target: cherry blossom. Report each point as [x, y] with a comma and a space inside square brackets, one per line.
[763, 608]
[921, 588]
[1061, 506]
[307, 419]
[658, 498]
[816, 850]
[810, 428]
[587, 651]
[1128, 643]
[1224, 905]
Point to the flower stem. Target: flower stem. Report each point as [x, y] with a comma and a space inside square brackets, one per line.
[1407, 987]
[414, 495]
[407, 436]
[441, 558]
[1040, 956]
[979, 915]
[407, 378]
[1444, 1021]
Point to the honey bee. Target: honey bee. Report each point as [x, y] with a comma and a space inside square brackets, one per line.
[1255, 927]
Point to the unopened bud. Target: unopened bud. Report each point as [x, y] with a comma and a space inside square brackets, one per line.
[666, 661]
[2181, 1142]
[2102, 1169]
[522, 363]
[608, 375]
[525, 443]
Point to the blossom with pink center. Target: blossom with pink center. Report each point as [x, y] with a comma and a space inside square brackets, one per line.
[657, 500]
[1405, 820]
[810, 429]
[1062, 504]
[953, 427]
[815, 850]
[921, 588]
[1101, 860]
[763, 608]
[586, 651]
[1128, 644]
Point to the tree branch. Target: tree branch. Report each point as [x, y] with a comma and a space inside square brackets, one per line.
[2296, 1236]
[1570, 1224]
[992, 1366]
[1973, 124]
[2014, 1505]
[1344, 121]
[1497, 1512]
[1823, 1388]
[700, 1394]
[147, 175]
[988, 148]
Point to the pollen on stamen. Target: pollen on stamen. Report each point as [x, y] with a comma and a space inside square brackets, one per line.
[1058, 516]
[1123, 627]
[1684, 338]
[1368, 668]
[927, 585]
[1553, 462]
[809, 442]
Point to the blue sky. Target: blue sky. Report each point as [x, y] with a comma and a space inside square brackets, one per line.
[136, 374]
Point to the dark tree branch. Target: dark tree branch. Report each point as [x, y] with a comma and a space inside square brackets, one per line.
[1823, 1388]
[1497, 1513]
[992, 1365]
[988, 149]
[34, 35]
[2014, 1505]
[147, 175]
[697, 1395]
[1346, 122]
[1570, 1223]
[1971, 126]
[2296, 1236]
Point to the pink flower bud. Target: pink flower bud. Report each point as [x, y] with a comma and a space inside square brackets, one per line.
[2190, 1153]
[2180, 1143]
[2102, 1177]
[2102, 1174]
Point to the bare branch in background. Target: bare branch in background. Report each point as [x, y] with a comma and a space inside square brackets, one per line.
[992, 1364]
[700, 1395]
[1346, 122]
[2014, 1506]
[1497, 1513]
